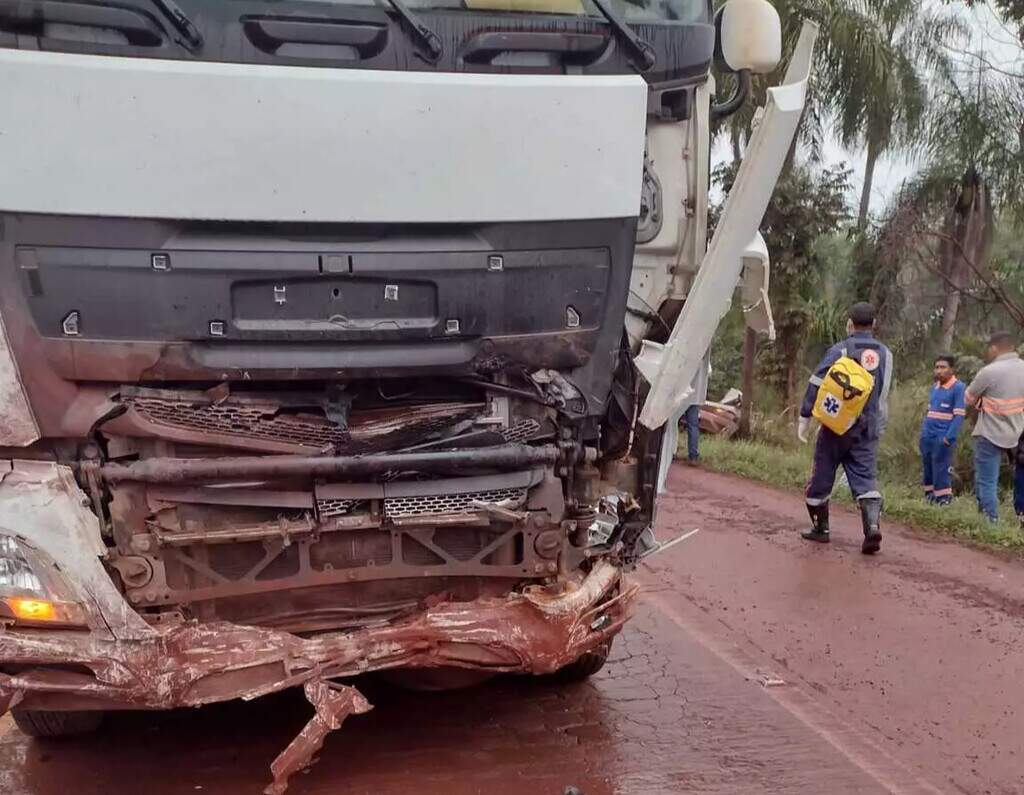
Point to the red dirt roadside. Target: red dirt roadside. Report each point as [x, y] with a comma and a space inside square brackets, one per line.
[917, 654]
[756, 663]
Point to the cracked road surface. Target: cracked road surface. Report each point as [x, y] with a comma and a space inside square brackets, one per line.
[756, 663]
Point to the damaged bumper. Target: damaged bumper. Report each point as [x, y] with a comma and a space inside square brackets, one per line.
[537, 631]
[121, 661]
[117, 660]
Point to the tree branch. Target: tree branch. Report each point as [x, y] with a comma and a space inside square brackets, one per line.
[1015, 310]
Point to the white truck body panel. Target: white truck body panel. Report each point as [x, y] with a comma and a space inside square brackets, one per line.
[670, 368]
[757, 309]
[195, 140]
[18, 427]
[664, 267]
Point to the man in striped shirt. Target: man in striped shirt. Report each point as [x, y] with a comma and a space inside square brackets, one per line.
[939, 431]
[998, 393]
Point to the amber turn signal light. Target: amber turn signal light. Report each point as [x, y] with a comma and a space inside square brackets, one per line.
[32, 609]
[41, 612]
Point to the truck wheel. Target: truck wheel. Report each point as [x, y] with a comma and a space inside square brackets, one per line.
[47, 723]
[586, 665]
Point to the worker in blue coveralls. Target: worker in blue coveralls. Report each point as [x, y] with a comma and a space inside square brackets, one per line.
[946, 412]
[857, 449]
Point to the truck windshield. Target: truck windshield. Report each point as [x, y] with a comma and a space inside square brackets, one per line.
[633, 10]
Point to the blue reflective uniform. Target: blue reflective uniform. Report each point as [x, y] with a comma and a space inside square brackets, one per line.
[946, 412]
[857, 449]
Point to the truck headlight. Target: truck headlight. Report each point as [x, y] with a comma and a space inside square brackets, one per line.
[32, 591]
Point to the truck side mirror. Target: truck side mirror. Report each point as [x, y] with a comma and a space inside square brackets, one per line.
[748, 37]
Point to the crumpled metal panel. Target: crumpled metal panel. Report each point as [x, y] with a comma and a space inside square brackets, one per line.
[265, 424]
[333, 703]
[18, 426]
[188, 664]
[757, 308]
[42, 503]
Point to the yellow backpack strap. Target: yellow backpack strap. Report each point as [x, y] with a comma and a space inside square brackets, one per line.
[843, 379]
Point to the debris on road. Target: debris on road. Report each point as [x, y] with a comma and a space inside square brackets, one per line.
[333, 703]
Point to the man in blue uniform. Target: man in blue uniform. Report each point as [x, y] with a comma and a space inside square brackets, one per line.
[857, 449]
[946, 412]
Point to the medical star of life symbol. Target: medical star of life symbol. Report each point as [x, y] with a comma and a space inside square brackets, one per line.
[831, 405]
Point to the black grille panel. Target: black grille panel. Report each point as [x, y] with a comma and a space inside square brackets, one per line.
[248, 422]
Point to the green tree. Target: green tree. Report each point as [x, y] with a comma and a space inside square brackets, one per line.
[878, 62]
[947, 216]
[807, 205]
[977, 124]
[872, 63]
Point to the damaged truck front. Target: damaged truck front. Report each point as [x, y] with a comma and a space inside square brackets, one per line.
[334, 336]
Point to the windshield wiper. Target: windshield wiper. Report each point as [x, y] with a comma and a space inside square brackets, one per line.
[191, 38]
[642, 52]
[430, 40]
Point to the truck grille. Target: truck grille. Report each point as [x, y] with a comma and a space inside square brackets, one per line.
[521, 431]
[328, 508]
[253, 421]
[427, 505]
[402, 507]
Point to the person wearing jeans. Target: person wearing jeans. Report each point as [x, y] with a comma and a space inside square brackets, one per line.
[691, 418]
[688, 417]
[988, 459]
[939, 431]
[998, 393]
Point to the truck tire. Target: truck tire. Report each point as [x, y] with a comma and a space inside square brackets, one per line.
[586, 665]
[48, 723]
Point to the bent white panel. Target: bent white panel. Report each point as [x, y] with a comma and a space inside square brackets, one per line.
[41, 502]
[97, 135]
[18, 426]
[756, 280]
[671, 368]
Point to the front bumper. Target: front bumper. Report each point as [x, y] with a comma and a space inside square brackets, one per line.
[192, 664]
[121, 662]
[538, 631]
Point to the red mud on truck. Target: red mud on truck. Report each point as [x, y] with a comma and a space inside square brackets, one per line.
[276, 447]
[320, 339]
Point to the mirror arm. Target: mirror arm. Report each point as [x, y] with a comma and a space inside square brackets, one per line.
[735, 102]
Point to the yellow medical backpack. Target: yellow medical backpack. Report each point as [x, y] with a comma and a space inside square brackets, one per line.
[842, 395]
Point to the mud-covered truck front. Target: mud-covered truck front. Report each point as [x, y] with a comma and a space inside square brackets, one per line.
[334, 336]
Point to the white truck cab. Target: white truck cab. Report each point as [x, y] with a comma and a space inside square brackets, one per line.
[328, 330]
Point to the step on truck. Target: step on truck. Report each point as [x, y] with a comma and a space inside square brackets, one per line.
[340, 337]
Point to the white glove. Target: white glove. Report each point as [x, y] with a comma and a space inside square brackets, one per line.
[803, 427]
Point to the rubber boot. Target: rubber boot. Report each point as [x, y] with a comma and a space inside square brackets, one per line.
[819, 522]
[870, 515]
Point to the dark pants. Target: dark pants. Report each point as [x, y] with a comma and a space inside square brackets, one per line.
[936, 458]
[856, 451]
[692, 421]
[987, 460]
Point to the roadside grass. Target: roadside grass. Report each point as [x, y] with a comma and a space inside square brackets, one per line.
[789, 467]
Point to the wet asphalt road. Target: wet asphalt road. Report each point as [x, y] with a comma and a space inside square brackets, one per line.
[756, 663]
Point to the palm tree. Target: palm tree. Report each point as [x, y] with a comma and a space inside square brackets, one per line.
[943, 220]
[869, 80]
[871, 76]
[879, 60]
[976, 147]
